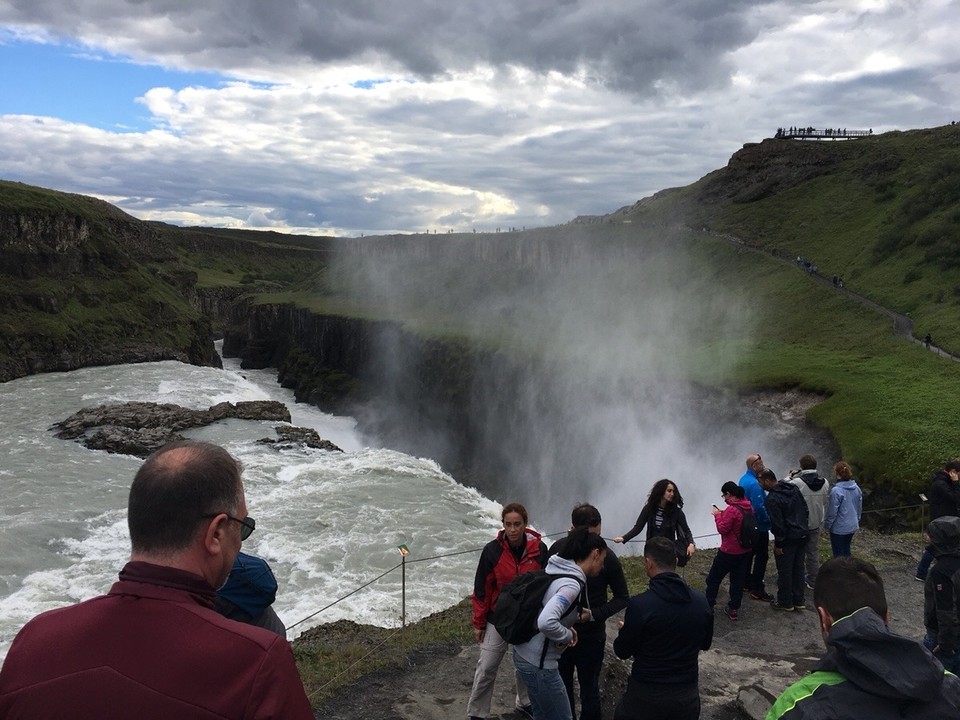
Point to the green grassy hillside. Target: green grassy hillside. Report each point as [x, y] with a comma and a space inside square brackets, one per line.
[882, 213]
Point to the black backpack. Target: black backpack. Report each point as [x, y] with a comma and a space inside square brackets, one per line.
[748, 528]
[519, 604]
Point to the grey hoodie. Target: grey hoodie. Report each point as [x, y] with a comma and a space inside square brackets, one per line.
[815, 492]
[561, 604]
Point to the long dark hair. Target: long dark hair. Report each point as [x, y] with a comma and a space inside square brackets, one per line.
[656, 495]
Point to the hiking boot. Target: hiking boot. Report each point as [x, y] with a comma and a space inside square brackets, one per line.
[524, 710]
[762, 595]
[730, 612]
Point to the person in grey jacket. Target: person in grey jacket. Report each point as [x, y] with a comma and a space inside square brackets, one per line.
[816, 493]
[941, 593]
[586, 657]
[843, 510]
[536, 660]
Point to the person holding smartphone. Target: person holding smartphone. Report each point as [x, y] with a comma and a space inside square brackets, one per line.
[732, 558]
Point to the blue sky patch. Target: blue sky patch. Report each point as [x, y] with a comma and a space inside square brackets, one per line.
[70, 83]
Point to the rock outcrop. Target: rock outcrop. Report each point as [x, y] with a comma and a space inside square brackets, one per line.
[139, 428]
[293, 436]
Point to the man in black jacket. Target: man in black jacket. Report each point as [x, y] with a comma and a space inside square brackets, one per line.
[944, 499]
[586, 657]
[663, 630]
[868, 671]
[941, 593]
[788, 523]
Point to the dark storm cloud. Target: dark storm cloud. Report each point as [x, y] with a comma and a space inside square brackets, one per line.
[625, 45]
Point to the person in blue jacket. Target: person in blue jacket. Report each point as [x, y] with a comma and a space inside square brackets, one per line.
[843, 510]
[755, 493]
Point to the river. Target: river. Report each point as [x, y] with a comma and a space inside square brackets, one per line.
[327, 522]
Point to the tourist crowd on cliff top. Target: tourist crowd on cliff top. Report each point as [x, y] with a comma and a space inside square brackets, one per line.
[188, 632]
[565, 592]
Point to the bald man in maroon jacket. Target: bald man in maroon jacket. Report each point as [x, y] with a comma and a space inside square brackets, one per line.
[154, 647]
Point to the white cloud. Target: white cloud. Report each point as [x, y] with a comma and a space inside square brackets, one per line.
[347, 117]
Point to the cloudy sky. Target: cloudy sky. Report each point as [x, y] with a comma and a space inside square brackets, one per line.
[345, 117]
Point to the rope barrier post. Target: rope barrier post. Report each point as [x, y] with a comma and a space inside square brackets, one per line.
[404, 551]
[923, 516]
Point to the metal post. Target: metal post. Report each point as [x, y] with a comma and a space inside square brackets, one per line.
[404, 551]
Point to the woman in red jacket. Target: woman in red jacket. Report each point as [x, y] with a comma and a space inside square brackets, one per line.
[516, 549]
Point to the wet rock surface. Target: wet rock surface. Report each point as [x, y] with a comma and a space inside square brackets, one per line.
[140, 428]
[294, 436]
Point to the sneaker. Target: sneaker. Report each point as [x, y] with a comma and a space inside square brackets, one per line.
[919, 579]
[730, 612]
[778, 606]
[524, 710]
[762, 595]
[809, 584]
[799, 608]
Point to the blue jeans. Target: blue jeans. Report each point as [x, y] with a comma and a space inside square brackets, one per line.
[840, 544]
[548, 696]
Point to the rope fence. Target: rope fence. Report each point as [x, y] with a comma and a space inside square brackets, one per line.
[405, 561]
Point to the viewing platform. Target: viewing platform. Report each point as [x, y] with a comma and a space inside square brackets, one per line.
[812, 133]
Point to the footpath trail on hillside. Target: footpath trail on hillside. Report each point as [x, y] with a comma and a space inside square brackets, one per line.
[903, 326]
[751, 661]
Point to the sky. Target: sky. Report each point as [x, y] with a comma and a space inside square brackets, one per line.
[359, 117]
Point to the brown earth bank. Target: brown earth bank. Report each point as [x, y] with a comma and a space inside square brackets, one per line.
[751, 661]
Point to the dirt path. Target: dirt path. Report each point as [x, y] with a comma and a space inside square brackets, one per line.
[902, 324]
[751, 661]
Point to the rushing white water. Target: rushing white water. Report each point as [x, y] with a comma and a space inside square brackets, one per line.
[327, 522]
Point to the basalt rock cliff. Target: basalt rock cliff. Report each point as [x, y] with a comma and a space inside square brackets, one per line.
[82, 283]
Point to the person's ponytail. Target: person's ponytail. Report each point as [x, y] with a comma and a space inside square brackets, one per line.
[580, 543]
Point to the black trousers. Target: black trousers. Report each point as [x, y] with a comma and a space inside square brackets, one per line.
[586, 657]
[758, 560]
[790, 572]
[653, 701]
